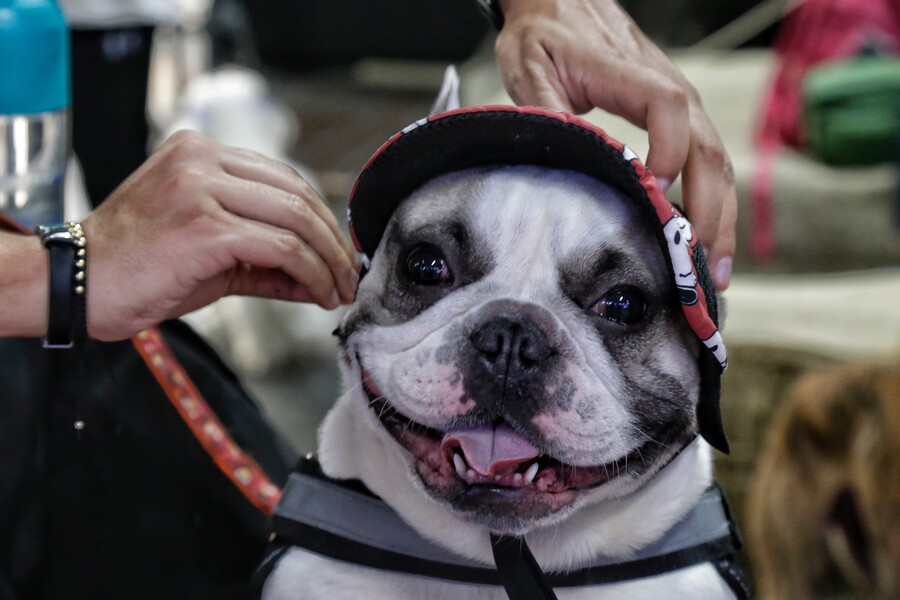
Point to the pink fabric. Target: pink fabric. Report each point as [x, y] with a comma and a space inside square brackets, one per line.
[814, 32]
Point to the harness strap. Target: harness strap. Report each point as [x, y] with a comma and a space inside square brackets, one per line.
[520, 573]
[344, 521]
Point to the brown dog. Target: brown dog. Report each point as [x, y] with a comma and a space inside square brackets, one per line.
[827, 486]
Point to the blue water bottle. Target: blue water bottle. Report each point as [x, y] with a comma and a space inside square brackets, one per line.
[34, 110]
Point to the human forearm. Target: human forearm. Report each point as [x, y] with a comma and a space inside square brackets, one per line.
[197, 221]
[23, 285]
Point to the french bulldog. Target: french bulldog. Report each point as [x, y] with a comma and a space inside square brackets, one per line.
[517, 364]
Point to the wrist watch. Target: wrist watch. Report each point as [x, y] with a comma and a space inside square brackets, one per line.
[67, 253]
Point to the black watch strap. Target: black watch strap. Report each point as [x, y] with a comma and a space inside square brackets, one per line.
[67, 253]
[491, 9]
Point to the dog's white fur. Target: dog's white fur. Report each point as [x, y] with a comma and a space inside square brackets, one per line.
[614, 520]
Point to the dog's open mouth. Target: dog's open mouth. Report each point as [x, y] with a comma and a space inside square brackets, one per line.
[491, 464]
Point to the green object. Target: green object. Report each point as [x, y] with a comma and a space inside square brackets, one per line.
[852, 111]
[34, 57]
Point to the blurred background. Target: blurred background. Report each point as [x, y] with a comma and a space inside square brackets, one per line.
[322, 84]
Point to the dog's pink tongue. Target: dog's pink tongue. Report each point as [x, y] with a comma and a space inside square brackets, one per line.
[491, 450]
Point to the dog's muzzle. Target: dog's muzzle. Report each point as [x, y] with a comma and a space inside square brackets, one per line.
[507, 364]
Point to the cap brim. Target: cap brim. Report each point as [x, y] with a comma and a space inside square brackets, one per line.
[469, 137]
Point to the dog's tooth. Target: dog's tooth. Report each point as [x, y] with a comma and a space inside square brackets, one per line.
[459, 464]
[517, 478]
[531, 472]
[470, 475]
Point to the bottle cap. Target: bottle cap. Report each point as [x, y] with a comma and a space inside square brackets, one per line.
[34, 57]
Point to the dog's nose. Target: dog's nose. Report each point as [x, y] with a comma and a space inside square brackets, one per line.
[507, 367]
[511, 345]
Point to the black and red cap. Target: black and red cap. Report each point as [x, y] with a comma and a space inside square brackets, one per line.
[508, 135]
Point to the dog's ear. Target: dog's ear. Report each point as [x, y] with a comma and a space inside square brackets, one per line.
[448, 97]
[709, 412]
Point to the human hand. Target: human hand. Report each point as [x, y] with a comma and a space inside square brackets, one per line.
[198, 221]
[574, 55]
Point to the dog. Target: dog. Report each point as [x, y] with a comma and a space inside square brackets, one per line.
[524, 381]
[826, 492]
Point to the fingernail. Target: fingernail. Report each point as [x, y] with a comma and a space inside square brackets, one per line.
[335, 299]
[350, 284]
[352, 280]
[663, 184]
[723, 272]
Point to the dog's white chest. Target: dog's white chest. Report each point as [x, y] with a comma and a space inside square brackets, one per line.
[389, 555]
[304, 576]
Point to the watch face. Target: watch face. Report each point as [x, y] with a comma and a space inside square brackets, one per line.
[55, 233]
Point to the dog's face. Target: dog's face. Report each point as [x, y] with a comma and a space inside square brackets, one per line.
[519, 346]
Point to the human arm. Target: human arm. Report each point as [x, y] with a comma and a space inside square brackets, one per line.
[197, 221]
[575, 55]
[23, 285]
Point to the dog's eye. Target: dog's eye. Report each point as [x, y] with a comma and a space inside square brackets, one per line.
[427, 266]
[624, 305]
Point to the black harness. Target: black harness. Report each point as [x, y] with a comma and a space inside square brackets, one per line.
[343, 520]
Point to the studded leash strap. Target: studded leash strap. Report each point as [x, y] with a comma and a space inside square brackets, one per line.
[234, 463]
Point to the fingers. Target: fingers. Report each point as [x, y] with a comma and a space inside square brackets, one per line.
[722, 253]
[255, 187]
[297, 215]
[283, 265]
[649, 96]
[220, 221]
[669, 130]
[530, 76]
[253, 166]
[581, 54]
[683, 140]
[710, 200]
[186, 148]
